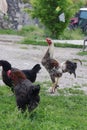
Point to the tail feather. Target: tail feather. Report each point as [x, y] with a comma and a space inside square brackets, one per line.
[36, 68]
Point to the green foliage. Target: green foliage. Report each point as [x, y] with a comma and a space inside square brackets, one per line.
[72, 34]
[78, 4]
[82, 53]
[26, 1]
[36, 36]
[44, 43]
[48, 12]
[53, 113]
[32, 32]
[8, 31]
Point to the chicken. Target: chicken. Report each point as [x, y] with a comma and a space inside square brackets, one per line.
[54, 68]
[26, 93]
[51, 65]
[30, 74]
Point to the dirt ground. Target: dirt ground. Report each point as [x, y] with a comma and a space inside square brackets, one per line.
[26, 56]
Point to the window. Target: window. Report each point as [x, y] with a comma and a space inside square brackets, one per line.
[83, 14]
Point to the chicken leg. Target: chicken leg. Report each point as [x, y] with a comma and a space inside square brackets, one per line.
[55, 85]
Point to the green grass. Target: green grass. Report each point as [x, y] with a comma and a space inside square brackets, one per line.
[8, 31]
[53, 113]
[31, 32]
[84, 60]
[40, 33]
[82, 53]
[36, 36]
[72, 34]
[43, 43]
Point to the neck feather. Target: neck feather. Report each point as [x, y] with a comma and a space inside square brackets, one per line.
[51, 50]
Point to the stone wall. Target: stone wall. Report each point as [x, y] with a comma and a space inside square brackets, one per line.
[16, 17]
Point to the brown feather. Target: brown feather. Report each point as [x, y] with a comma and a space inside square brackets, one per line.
[17, 76]
[53, 63]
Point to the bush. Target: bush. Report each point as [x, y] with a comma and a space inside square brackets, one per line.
[72, 34]
[32, 32]
[48, 12]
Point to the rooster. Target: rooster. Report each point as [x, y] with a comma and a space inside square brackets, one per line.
[26, 93]
[54, 68]
[31, 74]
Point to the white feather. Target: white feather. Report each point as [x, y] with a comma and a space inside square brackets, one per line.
[51, 50]
[63, 66]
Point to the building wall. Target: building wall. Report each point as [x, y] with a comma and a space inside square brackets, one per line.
[16, 17]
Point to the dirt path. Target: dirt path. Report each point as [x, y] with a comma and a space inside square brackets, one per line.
[25, 56]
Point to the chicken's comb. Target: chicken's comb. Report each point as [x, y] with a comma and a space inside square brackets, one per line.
[9, 73]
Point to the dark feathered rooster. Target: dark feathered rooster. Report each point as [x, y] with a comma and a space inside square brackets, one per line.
[27, 94]
[54, 68]
[30, 74]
